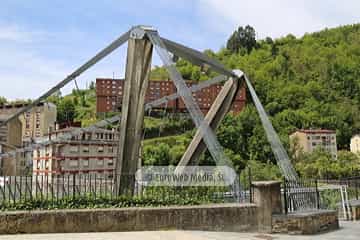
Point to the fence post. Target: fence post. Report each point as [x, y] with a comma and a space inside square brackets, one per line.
[285, 197]
[267, 197]
[250, 186]
[317, 194]
[357, 188]
[73, 185]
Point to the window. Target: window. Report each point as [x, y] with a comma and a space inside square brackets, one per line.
[74, 149]
[111, 149]
[101, 149]
[110, 162]
[73, 163]
[100, 162]
[27, 123]
[85, 163]
[38, 164]
[46, 165]
[85, 149]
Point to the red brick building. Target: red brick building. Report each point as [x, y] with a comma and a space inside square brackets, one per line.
[109, 93]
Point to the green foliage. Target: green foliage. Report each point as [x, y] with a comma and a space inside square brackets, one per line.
[320, 164]
[165, 150]
[264, 171]
[2, 100]
[242, 40]
[66, 110]
[153, 196]
[159, 73]
[157, 127]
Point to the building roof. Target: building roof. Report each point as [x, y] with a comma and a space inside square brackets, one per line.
[316, 131]
[71, 129]
[24, 104]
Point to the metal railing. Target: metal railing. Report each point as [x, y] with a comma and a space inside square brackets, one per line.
[15, 189]
[300, 195]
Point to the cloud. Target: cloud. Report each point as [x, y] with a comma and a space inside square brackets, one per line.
[277, 18]
[33, 61]
[14, 33]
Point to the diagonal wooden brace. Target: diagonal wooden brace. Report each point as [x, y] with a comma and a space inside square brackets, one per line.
[217, 112]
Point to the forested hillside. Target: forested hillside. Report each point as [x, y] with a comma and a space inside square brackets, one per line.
[308, 82]
[311, 82]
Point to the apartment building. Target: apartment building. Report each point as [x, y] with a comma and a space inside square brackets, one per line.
[36, 122]
[307, 140]
[109, 94]
[91, 152]
[10, 139]
[355, 144]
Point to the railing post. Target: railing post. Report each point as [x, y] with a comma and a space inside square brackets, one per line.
[73, 185]
[285, 197]
[250, 186]
[317, 194]
[357, 188]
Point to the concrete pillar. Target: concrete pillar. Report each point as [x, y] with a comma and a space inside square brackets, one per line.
[267, 196]
[138, 67]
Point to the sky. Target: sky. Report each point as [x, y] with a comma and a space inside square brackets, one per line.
[41, 42]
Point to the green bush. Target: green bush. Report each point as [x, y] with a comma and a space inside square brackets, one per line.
[153, 196]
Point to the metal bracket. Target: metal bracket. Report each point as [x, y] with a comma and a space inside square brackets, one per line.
[138, 32]
[238, 73]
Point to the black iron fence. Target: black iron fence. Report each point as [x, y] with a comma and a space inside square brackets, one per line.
[52, 188]
[300, 195]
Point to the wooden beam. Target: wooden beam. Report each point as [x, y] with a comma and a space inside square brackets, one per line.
[138, 67]
[217, 112]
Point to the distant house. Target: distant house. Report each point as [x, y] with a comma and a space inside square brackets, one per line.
[355, 144]
[10, 140]
[90, 152]
[307, 140]
[36, 122]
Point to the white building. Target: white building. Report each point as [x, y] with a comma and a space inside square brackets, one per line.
[307, 140]
[355, 144]
[90, 152]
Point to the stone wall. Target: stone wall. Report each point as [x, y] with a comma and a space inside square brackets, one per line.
[305, 223]
[224, 217]
[263, 216]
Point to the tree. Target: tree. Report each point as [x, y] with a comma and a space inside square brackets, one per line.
[92, 85]
[2, 100]
[242, 38]
[65, 110]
